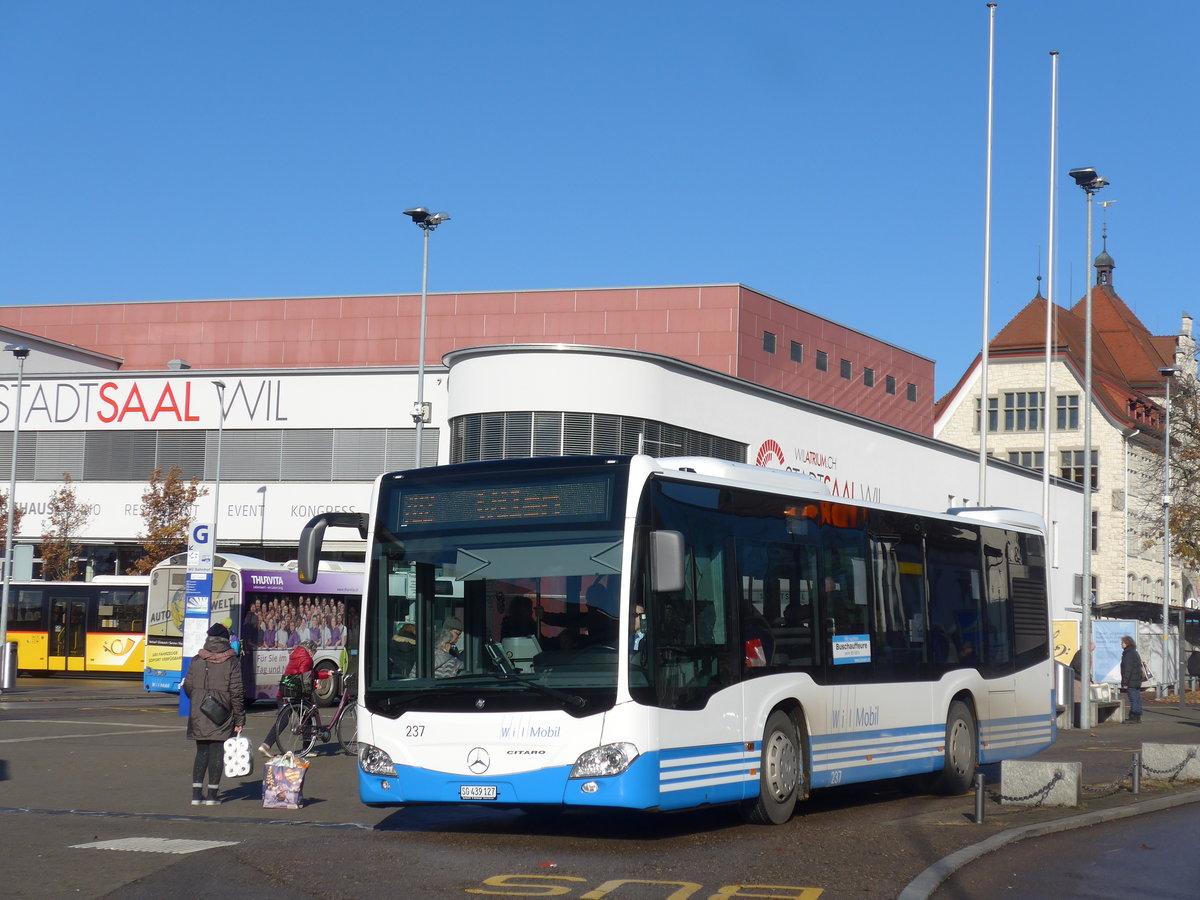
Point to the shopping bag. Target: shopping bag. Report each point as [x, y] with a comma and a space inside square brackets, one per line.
[237, 757]
[283, 782]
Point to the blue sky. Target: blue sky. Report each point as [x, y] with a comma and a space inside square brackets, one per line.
[829, 154]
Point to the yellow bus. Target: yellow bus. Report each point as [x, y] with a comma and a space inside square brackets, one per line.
[94, 626]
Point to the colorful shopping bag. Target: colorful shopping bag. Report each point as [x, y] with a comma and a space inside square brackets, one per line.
[283, 782]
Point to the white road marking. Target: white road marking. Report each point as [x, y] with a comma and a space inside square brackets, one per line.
[60, 737]
[154, 845]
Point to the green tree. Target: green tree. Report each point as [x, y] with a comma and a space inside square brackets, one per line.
[168, 507]
[60, 547]
[1185, 473]
[17, 516]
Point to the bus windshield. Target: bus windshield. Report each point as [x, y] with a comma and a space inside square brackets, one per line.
[505, 588]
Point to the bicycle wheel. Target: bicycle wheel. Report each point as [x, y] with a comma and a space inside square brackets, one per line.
[296, 728]
[347, 728]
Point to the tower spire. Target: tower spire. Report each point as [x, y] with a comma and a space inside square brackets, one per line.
[1104, 263]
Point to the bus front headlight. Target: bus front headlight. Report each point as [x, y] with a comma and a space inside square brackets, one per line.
[374, 761]
[609, 759]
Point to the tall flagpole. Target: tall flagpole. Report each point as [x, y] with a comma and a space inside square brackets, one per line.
[987, 266]
[1050, 294]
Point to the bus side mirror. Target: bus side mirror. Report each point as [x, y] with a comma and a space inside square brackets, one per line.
[666, 561]
[308, 554]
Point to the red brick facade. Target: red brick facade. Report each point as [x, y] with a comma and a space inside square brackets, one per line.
[720, 327]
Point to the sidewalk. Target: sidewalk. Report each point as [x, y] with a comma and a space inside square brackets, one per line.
[1106, 750]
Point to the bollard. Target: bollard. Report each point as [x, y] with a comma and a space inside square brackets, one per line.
[979, 779]
[1137, 772]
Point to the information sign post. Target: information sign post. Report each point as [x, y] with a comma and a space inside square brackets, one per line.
[197, 601]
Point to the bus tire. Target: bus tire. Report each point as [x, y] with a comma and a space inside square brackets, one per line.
[325, 689]
[780, 773]
[962, 752]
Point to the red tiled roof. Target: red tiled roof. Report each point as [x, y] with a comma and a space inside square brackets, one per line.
[1126, 357]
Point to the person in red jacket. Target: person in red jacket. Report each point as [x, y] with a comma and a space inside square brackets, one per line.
[299, 663]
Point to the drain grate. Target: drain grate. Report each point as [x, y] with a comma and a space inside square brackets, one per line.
[154, 845]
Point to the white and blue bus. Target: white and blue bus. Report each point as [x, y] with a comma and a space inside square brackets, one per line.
[661, 634]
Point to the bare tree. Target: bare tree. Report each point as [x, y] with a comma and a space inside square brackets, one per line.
[167, 509]
[60, 547]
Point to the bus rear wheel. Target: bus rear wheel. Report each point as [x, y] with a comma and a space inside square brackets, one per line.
[325, 690]
[962, 752]
[780, 773]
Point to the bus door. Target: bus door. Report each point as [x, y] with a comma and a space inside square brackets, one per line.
[68, 634]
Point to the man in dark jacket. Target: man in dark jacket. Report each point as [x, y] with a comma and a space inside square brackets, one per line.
[214, 672]
[1131, 678]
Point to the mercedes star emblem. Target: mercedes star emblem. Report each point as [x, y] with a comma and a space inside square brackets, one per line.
[478, 760]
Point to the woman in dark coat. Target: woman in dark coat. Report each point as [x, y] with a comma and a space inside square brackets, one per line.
[1131, 677]
[215, 671]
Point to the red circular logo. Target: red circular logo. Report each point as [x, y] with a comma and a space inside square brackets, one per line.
[769, 454]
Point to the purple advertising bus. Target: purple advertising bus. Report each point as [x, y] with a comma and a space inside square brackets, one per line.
[267, 609]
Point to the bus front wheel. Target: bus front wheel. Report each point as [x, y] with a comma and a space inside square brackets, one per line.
[779, 774]
[962, 752]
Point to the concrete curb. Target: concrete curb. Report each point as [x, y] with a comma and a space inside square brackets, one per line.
[923, 886]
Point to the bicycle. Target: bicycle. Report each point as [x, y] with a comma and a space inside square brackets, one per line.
[298, 726]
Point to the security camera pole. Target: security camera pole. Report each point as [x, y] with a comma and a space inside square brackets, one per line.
[1090, 182]
[422, 218]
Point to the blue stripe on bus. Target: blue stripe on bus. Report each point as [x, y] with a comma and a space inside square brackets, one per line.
[637, 788]
[685, 777]
[1015, 737]
[716, 773]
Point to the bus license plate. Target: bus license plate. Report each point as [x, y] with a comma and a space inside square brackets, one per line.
[477, 792]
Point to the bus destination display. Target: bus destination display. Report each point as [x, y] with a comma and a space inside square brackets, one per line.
[560, 501]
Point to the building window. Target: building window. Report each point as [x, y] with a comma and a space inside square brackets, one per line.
[869, 377]
[911, 391]
[521, 434]
[822, 361]
[890, 384]
[1030, 459]
[1071, 467]
[768, 342]
[1095, 531]
[1023, 410]
[847, 369]
[797, 352]
[249, 455]
[1068, 412]
[993, 414]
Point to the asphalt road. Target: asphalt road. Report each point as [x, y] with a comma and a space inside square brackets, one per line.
[1152, 856]
[84, 763]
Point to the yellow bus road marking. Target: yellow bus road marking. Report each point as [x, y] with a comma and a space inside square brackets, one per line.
[544, 886]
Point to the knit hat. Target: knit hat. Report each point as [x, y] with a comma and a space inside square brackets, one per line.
[452, 622]
[219, 631]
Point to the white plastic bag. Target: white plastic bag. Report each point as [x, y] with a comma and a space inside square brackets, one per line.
[237, 757]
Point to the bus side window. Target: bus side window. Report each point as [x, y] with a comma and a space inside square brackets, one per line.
[899, 602]
[955, 597]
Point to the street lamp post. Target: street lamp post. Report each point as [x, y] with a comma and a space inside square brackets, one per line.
[220, 386]
[427, 222]
[21, 352]
[1168, 372]
[1090, 182]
